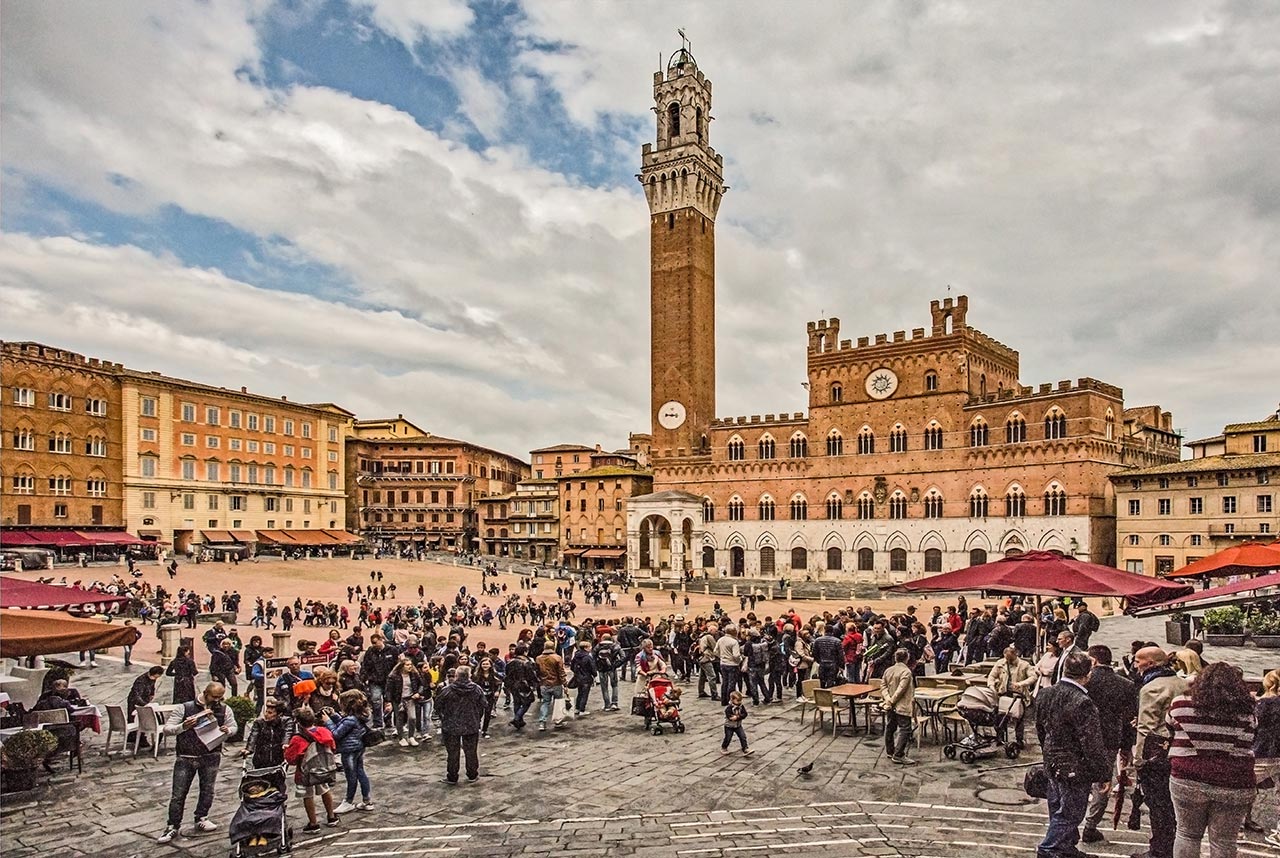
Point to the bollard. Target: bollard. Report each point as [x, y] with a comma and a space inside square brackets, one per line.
[789, 596]
[170, 634]
[735, 591]
[706, 589]
[280, 642]
[683, 587]
[822, 592]
[659, 583]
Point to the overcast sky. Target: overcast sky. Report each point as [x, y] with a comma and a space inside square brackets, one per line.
[429, 208]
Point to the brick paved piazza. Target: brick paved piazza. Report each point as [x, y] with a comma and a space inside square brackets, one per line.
[597, 786]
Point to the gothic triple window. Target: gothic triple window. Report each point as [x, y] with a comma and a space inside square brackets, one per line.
[835, 507]
[979, 433]
[835, 443]
[979, 503]
[708, 510]
[866, 441]
[866, 507]
[1015, 429]
[898, 505]
[799, 446]
[898, 439]
[933, 436]
[737, 449]
[735, 509]
[1055, 425]
[1055, 501]
[933, 504]
[1015, 503]
[768, 448]
[799, 508]
[766, 508]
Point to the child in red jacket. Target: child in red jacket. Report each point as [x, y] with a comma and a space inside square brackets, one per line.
[295, 751]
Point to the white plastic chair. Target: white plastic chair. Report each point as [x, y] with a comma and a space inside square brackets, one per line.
[117, 723]
[148, 725]
[47, 716]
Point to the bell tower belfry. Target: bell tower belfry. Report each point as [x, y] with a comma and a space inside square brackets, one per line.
[681, 176]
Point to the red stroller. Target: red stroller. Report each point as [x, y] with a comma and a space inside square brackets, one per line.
[659, 706]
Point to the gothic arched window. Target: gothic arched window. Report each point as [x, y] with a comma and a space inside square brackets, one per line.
[673, 120]
[799, 446]
[866, 441]
[835, 507]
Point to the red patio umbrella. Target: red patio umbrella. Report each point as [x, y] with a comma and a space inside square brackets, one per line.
[1249, 558]
[24, 633]
[17, 593]
[1046, 573]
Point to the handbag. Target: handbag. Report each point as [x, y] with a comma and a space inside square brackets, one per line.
[1035, 782]
[372, 736]
[573, 682]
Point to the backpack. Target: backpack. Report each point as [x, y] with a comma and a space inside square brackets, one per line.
[929, 654]
[318, 765]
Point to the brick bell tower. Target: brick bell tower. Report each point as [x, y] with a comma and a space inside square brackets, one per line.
[681, 176]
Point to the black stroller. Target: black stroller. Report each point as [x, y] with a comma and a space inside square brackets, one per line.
[990, 716]
[260, 826]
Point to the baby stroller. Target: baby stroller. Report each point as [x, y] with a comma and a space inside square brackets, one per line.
[655, 707]
[990, 716]
[260, 826]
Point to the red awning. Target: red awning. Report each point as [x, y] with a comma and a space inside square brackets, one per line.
[18, 539]
[245, 536]
[1044, 573]
[110, 537]
[18, 593]
[1226, 594]
[343, 537]
[57, 537]
[217, 536]
[605, 552]
[277, 536]
[312, 538]
[23, 633]
[573, 552]
[1250, 558]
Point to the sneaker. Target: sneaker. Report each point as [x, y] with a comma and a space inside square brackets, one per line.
[332, 822]
[473, 780]
[904, 761]
[485, 736]
[724, 751]
[311, 827]
[365, 805]
[205, 826]
[1092, 835]
[404, 743]
[345, 807]
[802, 699]
[448, 782]
[748, 752]
[169, 834]
[542, 726]
[413, 743]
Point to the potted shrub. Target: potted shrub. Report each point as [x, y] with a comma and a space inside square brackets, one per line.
[1264, 630]
[19, 757]
[1177, 629]
[1224, 626]
[245, 711]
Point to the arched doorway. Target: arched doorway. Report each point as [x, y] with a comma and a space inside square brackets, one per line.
[708, 557]
[767, 560]
[737, 561]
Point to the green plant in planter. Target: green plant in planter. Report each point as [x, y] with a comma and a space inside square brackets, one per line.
[245, 711]
[1224, 621]
[25, 749]
[1265, 624]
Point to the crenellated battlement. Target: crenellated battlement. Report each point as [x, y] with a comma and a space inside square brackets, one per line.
[780, 419]
[948, 318]
[1066, 386]
[39, 351]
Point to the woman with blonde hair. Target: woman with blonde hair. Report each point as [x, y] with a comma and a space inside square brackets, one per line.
[1187, 662]
[1266, 753]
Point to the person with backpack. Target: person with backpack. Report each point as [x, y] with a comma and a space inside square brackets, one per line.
[521, 682]
[312, 750]
[349, 730]
[583, 667]
[758, 668]
[608, 656]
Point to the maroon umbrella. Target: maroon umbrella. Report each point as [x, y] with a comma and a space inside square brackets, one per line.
[17, 593]
[1226, 594]
[1046, 573]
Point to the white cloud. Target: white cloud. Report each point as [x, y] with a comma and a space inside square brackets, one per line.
[410, 20]
[1105, 191]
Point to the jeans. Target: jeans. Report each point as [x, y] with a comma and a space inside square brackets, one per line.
[708, 679]
[583, 697]
[775, 684]
[1068, 800]
[1218, 810]
[424, 717]
[609, 687]
[376, 697]
[1153, 780]
[828, 675]
[897, 733]
[629, 662]
[549, 698]
[730, 732]
[520, 708]
[757, 687]
[353, 768]
[454, 746]
[728, 682]
[185, 770]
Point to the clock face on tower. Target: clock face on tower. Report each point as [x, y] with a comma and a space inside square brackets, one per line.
[881, 383]
[671, 415]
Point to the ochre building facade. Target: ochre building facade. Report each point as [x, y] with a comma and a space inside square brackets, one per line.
[920, 452]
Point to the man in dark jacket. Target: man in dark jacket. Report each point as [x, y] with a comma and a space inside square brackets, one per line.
[375, 667]
[461, 705]
[975, 636]
[1117, 702]
[1074, 757]
[629, 637]
[1084, 625]
[1024, 638]
[829, 655]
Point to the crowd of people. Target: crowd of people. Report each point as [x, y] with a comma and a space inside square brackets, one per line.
[410, 672]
